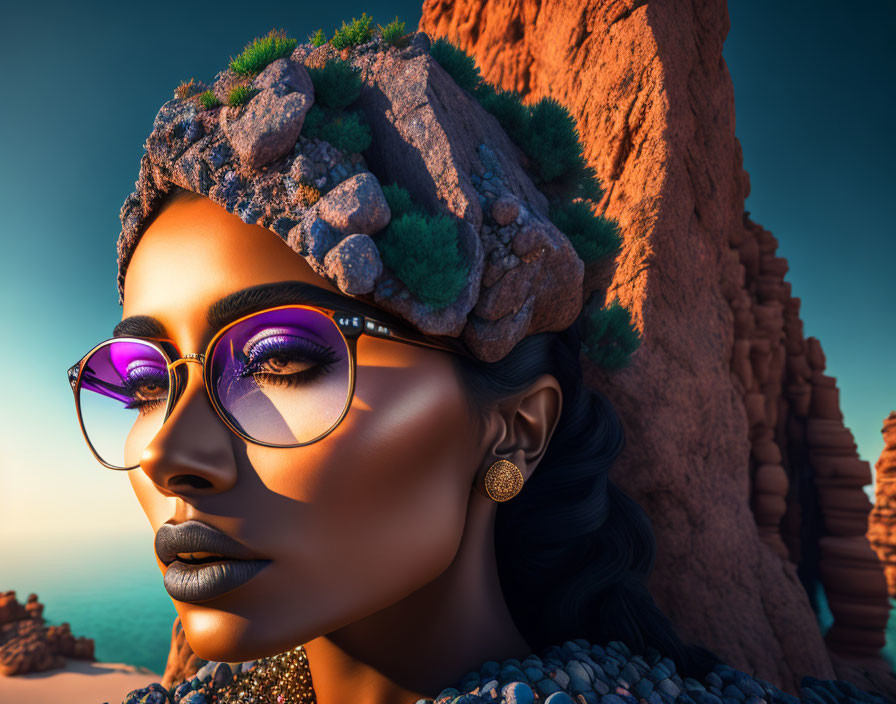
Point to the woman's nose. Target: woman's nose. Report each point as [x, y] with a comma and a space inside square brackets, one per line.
[192, 453]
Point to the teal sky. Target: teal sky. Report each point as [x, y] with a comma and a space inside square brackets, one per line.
[814, 106]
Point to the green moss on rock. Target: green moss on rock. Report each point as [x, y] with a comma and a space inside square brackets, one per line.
[423, 252]
[262, 51]
[345, 130]
[358, 31]
[608, 336]
[592, 235]
[337, 84]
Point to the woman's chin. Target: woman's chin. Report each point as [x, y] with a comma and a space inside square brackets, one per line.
[226, 637]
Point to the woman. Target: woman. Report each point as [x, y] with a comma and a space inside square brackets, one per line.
[319, 472]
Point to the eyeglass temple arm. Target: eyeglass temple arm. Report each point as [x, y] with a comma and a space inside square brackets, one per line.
[353, 325]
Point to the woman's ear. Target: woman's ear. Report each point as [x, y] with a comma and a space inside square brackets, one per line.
[524, 423]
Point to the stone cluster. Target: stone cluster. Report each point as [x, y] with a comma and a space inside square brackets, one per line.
[882, 521]
[428, 135]
[519, 248]
[577, 672]
[27, 645]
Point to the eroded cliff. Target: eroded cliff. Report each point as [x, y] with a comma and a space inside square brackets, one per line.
[736, 446]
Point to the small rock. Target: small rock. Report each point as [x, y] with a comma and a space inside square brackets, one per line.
[357, 205]
[714, 680]
[313, 240]
[559, 698]
[355, 265]
[268, 126]
[613, 699]
[667, 686]
[195, 698]
[488, 687]
[420, 43]
[509, 673]
[302, 169]
[222, 674]
[643, 688]
[518, 693]
[530, 242]
[547, 686]
[284, 76]
[446, 695]
[181, 691]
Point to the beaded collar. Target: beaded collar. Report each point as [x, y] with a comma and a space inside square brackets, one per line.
[578, 672]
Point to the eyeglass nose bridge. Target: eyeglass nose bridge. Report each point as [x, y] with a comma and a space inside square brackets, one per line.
[196, 358]
[179, 382]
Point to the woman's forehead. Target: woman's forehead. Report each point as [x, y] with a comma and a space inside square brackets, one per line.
[195, 253]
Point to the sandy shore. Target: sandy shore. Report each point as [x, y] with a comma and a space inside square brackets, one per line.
[79, 682]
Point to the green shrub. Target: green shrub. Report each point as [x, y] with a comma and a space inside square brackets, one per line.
[348, 132]
[318, 38]
[208, 100]
[593, 236]
[507, 106]
[551, 140]
[459, 65]
[240, 95]
[394, 32]
[584, 182]
[261, 51]
[358, 32]
[337, 84]
[608, 336]
[314, 120]
[344, 130]
[423, 252]
[399, 200]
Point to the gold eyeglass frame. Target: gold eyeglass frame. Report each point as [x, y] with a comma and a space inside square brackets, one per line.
[349, 325]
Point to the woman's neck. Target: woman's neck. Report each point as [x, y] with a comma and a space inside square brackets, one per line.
[428, 640]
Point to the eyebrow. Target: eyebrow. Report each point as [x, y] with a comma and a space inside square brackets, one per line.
[248, 300]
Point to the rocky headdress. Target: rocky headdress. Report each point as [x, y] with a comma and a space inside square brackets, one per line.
[401, 177]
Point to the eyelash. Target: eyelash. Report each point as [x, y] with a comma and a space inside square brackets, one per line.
[293, 349]
[133, 383]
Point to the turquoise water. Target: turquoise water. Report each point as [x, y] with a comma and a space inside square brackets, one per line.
[826, 618]
[109, 590]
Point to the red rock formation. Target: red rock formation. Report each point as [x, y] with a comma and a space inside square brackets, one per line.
[882, 522]
[735, 443]
[182, 663]
[27, 645]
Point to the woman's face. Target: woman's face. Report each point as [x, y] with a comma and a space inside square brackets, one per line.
[352, 523]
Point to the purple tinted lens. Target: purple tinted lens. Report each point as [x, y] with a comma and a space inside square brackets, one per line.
[123, 396]
[282, 377]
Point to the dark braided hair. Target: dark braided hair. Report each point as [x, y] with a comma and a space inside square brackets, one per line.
[574, 552]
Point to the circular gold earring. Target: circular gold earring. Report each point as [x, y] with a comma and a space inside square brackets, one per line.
[502, 481]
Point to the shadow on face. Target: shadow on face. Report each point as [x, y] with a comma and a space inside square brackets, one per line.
[351, 523]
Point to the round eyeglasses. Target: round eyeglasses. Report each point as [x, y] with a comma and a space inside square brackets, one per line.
[280, 377]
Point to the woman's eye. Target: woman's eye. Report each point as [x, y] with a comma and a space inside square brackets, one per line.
[284, 359]
[146, 386]
[280, 364]
[149, 391]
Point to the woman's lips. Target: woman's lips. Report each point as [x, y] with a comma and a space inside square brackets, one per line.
[207, 580]
[203, 562]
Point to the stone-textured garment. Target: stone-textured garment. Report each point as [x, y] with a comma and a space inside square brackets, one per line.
[578, 672]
